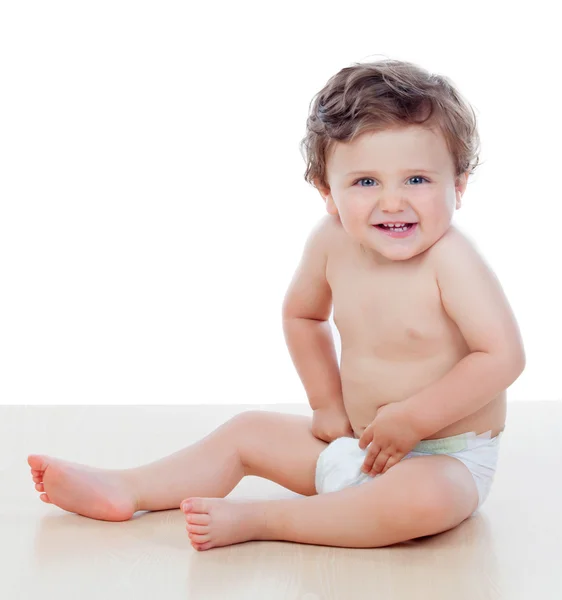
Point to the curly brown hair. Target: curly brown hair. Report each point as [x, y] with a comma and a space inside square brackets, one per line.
[387, 93]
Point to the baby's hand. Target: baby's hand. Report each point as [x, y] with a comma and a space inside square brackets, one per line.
[392, 435]
[330, 423]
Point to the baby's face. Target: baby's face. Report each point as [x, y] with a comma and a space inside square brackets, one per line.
[402, 175]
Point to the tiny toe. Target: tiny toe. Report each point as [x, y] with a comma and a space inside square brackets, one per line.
[198, 505]
[38, 462]
[199, 539]
[201, 529]
[39, 487]
[45, 498]
[37, 480]
[203, 547]
[198, 518]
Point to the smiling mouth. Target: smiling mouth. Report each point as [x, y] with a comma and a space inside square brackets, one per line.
[405, 230]
[400, 228]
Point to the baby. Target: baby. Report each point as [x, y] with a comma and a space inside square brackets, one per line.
[404, 434]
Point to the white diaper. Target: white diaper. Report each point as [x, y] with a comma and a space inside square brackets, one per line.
[339, 464]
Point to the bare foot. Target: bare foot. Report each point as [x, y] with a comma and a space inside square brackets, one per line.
[95, 493]
[213, 522]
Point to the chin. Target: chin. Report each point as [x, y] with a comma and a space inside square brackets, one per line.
[403, 257]
[395, 257]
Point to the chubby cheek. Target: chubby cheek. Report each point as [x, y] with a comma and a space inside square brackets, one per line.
[435, 214]
[353, 220]
[438, 223]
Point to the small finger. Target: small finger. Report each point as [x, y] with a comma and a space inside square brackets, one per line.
[364, 441]
[367, 465]
[370, 459]
[380, 462]
[393, 460]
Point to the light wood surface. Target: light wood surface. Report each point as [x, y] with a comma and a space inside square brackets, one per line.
[511, 550]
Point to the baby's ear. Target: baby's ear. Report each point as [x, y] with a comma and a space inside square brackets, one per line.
[460, 188]
[327, 197]
[324, 191]
[331, 207]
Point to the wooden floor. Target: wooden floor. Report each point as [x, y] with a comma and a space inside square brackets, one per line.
[512, 549]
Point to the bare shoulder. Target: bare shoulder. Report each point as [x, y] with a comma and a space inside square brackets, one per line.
[327, 232]
[456, 246]
[331, 225]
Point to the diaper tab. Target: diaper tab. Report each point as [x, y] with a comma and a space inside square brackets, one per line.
[455, 443]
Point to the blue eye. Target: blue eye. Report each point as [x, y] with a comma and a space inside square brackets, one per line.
[370, 179]
[419, 177]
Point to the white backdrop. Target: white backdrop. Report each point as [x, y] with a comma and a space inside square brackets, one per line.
[152, 201]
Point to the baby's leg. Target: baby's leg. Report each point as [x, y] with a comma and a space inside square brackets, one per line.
[417, 497]
[277, 446]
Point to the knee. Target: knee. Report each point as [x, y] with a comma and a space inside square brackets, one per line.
[246, 432]
[246, 424]
[248, 419]
[442, 508]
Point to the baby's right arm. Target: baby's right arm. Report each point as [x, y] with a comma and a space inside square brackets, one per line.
[306, 309]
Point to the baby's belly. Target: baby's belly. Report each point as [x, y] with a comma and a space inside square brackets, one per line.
[369, 382]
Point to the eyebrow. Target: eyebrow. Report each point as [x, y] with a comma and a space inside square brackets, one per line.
[368, 171]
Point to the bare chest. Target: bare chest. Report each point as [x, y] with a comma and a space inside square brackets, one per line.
[394, 313]
[396, 337]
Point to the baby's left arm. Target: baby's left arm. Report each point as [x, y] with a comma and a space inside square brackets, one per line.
[473, 298]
